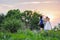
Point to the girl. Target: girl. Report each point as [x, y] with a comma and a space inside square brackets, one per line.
[47, 25]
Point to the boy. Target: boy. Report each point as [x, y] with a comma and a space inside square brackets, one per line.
[41, 23]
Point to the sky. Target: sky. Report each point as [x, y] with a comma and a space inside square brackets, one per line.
[49, 8]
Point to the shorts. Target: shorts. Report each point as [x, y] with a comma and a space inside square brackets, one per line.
[42, 26]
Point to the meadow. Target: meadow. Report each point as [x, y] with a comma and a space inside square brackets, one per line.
[30, 35]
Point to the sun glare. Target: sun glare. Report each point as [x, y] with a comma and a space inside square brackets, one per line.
[49, 14]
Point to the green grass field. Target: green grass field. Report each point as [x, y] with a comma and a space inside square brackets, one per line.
[30, 35]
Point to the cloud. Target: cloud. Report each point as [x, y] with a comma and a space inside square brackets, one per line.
[5, 7]
[12, 2]
[30, 2]
[36, 2]
[25, 4]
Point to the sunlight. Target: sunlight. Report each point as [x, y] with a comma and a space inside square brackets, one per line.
[49, 14]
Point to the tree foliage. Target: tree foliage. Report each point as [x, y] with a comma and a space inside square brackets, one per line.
[12, 21]
[16, 19]
[35, 20]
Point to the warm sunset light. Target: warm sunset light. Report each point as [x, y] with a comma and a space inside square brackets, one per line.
[50, 8]
[51, 17]
[29, 19]
[49, 14]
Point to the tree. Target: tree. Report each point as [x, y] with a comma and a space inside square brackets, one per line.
[26, 17]
[14, 14]
[31, 19]
[59, 26]
[15, 20]
[12, 21]
[2, 16]
[56, 28]
[13, 25]
[34, 21]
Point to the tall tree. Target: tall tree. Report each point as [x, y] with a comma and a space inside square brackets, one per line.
[34, 21]
[27, 15]
[14, 13]
[2, 16]
[12, 21]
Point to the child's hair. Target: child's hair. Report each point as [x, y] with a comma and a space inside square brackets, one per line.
[48, 18]
[41, 17]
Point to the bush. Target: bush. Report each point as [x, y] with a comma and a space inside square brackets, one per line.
[12, 25]
[12, 21]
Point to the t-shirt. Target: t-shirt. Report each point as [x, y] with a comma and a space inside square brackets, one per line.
[41, 21]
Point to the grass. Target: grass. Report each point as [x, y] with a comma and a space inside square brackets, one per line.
[30, 35]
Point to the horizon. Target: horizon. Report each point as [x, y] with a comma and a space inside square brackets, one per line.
[49, 8]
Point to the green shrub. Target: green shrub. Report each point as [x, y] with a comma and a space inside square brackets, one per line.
[12, 25]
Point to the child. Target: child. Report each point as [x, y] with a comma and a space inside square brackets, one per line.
[47, 25]
[41, 23]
